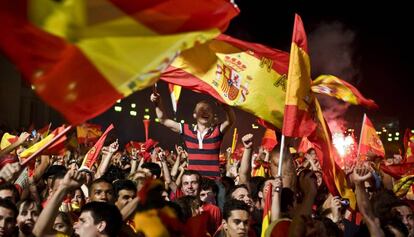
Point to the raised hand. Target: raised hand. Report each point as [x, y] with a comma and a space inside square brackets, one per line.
[247, 141]
[361, 174]
[10, 171]
[73, 179]
[307, 182]
[23, 137]
[113, 147]
[155, 98]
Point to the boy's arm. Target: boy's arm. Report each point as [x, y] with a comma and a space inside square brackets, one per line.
[161, 115]
[230, 118]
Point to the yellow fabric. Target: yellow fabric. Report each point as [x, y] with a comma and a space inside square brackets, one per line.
[150, 224]
[127, 53]
[403, 185]
[260, 171]
[176, 92]
[215, 63]
[29, 151]
[5, 140]
[298, 91]
[265, 224]
[332, 86]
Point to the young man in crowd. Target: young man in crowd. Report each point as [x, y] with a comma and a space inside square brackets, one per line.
[235, 219]
[203, 141]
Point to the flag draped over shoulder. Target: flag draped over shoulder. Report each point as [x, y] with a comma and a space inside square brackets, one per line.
[370, 142]
[340, 89]
[237, 73]
[83, 55]
[93, 153]
[333, 175]
[175, 92]
[298, 117]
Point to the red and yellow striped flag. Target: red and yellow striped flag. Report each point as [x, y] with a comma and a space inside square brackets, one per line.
[333, 176]
[267, 210]
[175, 91]
[93, 153]
[369, 141]
[298, 118]
[83, 55]
[340, 89]
[269, 140]
[237, 73]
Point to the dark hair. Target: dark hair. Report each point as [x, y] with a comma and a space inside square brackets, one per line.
[232, 205]
[12, 187]
[287, 199]
[123, 184]
[154, 168]
[102, 211]
[187, 205]
[96, 181]
[227, 182]
[7, 204]
[256, 185]
[234, 188]
[26, 204]
[193, 172]
[58, 175]
[114, 173]
[207, 183]
[395, 223]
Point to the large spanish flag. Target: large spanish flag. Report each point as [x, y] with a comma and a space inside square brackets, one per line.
[369, 140]
[299, 115]
[83, 55]
[237, 73]
[340, 89]
[333, 176]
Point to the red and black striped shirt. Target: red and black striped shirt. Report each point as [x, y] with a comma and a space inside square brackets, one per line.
[203, 152]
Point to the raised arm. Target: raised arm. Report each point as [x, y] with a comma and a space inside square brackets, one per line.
[230, 118]
[359, 176]
[161, 115]
[106, 158]
[44, 224]
[246, 165]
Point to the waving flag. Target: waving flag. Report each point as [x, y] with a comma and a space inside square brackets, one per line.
[298, 118]
[88, 132]
[269, 140]
[340, 89]
[333, 176]
[369, 140]
[93, 153]
[83, 55]
[267, 210]
[237, 73]
[7, 140]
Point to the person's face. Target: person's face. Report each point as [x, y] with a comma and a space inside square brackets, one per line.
[102, 192]
[190, 185]
[27, 218]
[85, 227]
[203, 113]
[7, 222]
[77, 198]
[208, 196]
[62, 226]
[407, 218]
[8, 194]
[237, 225]
[124, 197]
[243, 194]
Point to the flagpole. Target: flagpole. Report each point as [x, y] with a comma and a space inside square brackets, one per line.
[360, 136]
[282, 145]
[46, 145]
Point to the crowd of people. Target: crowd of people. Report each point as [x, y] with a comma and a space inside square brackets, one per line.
[190, 191]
